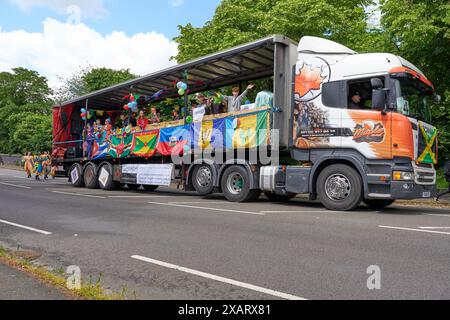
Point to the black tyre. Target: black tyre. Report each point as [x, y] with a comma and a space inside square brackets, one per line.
[90, 176]
[133, 186]
[76, 175]
[235, 185]
[340, 188]
[105, 177]
[378, 203]
[203, 179]
[279, 198]
[150, 188]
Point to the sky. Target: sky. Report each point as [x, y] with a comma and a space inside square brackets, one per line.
[59, 37]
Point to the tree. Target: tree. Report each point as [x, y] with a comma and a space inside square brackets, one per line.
[24, 98]
[238, 21]
[90, 79]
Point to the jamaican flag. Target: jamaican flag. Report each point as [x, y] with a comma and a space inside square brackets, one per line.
[120, 146]
[144, 144]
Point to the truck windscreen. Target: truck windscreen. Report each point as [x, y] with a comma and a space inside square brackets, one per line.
[413, 99]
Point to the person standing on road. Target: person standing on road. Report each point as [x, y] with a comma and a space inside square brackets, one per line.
[28, 164]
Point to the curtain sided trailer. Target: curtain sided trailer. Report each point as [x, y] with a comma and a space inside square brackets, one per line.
[343, 127]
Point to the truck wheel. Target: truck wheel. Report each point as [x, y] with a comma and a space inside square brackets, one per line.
[105, 177]
[150, 188]
[202, 179]
[340, 188]
[76, 175]
[133, 186]
[279, 198]
[90, 176]
[378, 203]
[236, 185]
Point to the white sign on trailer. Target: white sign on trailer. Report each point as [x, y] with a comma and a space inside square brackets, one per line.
[74, 175]
[150, 174]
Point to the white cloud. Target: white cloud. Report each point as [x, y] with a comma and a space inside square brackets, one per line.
[61, 49]
[85, 8]
[176, 3]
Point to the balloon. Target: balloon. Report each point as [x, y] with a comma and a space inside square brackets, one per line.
[184, 86]
[181, 92]
[84, 118]
[179, 84]
[126, 107]
[189, 119]
[83, 110]
[131, 98]
[134, 109]
[83, 115]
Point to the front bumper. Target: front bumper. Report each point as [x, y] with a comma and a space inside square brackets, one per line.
[410, 190]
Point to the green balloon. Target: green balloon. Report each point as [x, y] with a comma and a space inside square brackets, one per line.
[189, 119]
[181, 92]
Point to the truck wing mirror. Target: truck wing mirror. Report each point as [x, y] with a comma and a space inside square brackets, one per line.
[376, 83]
[379, 99]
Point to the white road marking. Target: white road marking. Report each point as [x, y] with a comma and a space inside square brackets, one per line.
[439, 215]
[79, 194]
[434, 228]
[299, 211]
[207, 208]
[143, 197]
[25, 227]
[412, 229]
[14, 185]
[203, 202]
[219, 278]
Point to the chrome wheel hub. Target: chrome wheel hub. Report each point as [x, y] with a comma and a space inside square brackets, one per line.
[235, 182]
[204, 176]
[338, 187]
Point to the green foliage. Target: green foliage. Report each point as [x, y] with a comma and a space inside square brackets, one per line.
[25, 112]
[90, 79]
[239, 21]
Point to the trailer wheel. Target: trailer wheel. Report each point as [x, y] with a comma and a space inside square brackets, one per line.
[340, 188]
[133, 186]
[150, 188]
[90, 176]
[236, 185]
[202, 179]
[105, 177]
[76, 175]
[378, 203]
[279, 198]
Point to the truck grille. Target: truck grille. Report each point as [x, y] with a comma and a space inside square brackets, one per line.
[424, 175]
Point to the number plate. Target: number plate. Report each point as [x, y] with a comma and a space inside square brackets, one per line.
[426, 195]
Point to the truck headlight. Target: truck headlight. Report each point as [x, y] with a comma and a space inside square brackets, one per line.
[403, 176]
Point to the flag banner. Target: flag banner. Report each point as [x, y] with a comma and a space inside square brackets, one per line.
[209, 134]
[173, 140]
[144, 144]
[99, 150]
[120, 146]
[248, 131]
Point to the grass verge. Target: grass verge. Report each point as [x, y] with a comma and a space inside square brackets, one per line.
[89, 290]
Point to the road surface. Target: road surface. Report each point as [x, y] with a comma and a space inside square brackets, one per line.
[174, 245]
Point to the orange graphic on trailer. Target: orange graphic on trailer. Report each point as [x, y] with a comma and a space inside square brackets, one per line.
[369, 131]
[309, 79]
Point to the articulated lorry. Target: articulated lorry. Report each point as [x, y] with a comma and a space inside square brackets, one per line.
[343, 128]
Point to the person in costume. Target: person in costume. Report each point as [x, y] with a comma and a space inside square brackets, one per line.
[28, 164]
[38, 168]
[46, 164]
[142, 120]
[108, 127]
[154, 118]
